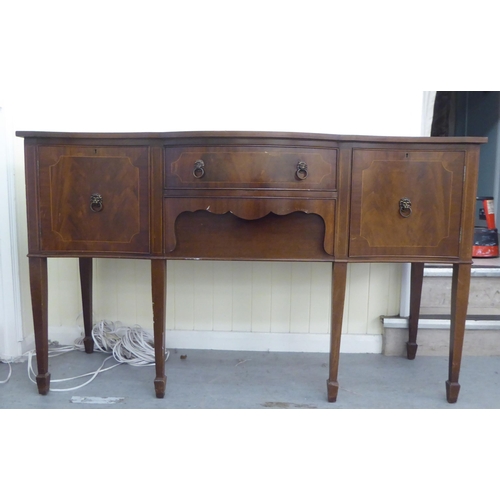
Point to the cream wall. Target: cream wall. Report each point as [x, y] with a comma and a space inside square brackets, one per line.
[185, 68]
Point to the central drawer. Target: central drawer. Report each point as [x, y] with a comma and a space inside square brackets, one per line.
[250, 167]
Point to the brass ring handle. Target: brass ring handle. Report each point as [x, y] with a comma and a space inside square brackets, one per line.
[405, 207]
[199, 169]
[96, 202]
[302, 171]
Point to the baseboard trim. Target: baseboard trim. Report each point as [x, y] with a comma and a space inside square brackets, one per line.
[476, 272]
[273, 342]
[249, 341]
[444, 324]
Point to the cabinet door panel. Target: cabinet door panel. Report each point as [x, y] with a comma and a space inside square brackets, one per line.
[406, 203]
[117, 220]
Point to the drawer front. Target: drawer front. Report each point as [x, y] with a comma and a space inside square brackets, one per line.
[406, 203]
[255, 167]
[94, 199]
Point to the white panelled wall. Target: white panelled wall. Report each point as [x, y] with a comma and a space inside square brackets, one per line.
[143, 73]
[232, 305]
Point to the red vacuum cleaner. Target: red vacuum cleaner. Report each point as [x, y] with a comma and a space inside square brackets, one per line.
[486, 234]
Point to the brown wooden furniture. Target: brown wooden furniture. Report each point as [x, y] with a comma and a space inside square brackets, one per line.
[250, 196]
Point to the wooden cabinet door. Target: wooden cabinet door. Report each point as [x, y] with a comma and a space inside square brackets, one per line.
[406, 203]
[94, 199]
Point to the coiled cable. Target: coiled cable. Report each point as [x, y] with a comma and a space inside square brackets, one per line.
[131, 345]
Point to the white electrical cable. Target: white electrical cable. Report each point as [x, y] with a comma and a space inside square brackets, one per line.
[8, 376]
[31, 373]
[131, 345]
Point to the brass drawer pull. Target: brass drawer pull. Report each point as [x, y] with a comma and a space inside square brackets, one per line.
[301, 172]
[199, 170]
[96, 202]
[405, 207]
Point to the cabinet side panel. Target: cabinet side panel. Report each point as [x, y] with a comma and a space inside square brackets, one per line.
[469, 202]
[32, 197]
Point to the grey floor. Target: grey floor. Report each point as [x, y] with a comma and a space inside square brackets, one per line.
[265, 380]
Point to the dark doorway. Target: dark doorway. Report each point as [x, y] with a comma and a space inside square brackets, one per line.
[468, 113]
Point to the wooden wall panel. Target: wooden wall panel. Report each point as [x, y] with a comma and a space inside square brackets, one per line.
[281, 296]
[321, 279]
[203, 295]
[242, 283]
[223, 298]
[64, 296]
[357, 292]
[300, 296]
[184, 276]
[383, 294]
[260, 303]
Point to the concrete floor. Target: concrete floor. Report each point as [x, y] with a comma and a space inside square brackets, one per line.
[229, 379]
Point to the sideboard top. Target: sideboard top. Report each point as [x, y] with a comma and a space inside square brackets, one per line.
[247, 135]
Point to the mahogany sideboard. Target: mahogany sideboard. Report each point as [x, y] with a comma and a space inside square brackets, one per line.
[251, 196]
